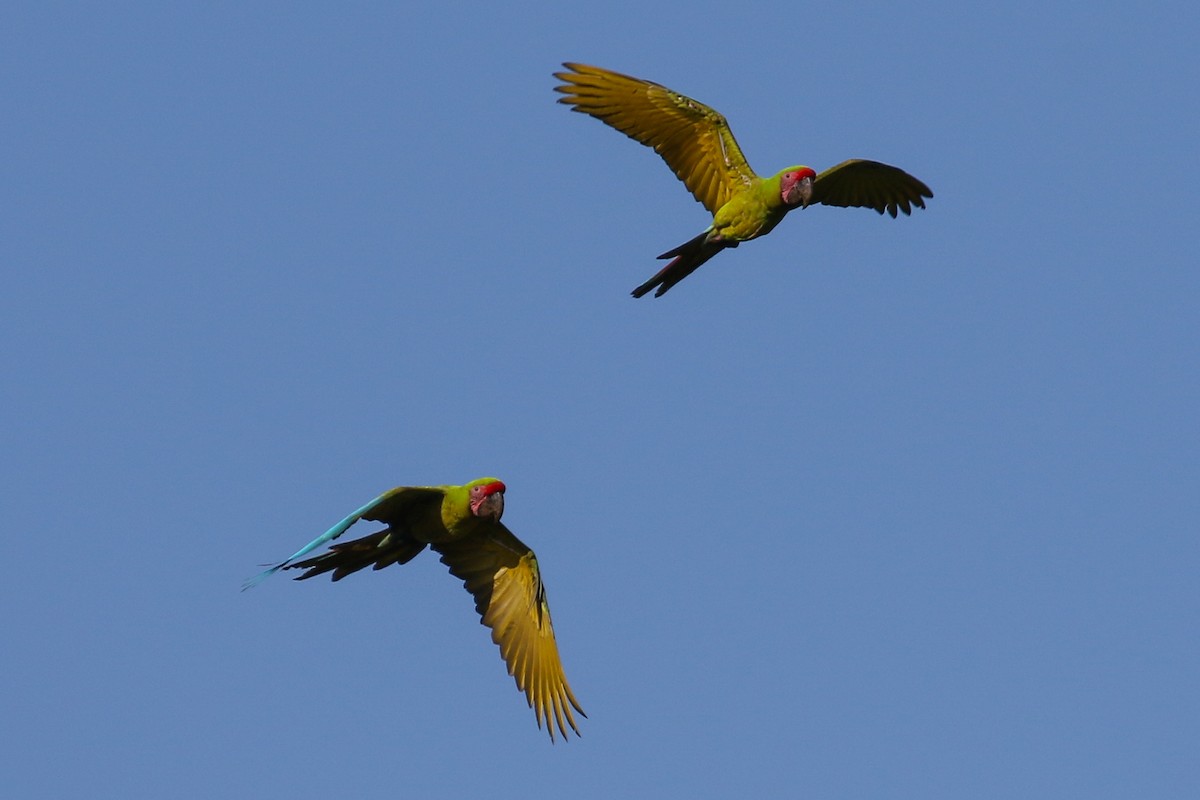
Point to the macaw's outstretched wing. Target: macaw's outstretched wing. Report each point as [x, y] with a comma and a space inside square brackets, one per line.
[381, 549]
[392, 507]
[692, 138]
[502, 575]
[869, 184]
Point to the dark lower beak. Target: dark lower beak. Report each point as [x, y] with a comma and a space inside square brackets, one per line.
[804, 191]
[492, 506]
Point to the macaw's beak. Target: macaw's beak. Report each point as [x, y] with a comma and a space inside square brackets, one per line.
[491, 504]
[800, 193]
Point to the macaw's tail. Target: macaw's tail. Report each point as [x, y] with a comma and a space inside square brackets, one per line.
[686, 259]
[381, 549]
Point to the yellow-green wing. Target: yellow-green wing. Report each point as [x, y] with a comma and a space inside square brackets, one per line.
[502, 575]
[869, 184]
[693, 139]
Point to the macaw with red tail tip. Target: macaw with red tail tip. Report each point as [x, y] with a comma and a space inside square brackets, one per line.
[699, 147]
[462, 524]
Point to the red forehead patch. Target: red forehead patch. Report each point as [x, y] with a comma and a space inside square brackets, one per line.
[492, 488]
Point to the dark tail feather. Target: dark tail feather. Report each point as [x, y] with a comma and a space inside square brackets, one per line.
[687, 258]
[382, 548]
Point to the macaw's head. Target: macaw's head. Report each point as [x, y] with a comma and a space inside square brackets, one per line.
[795, 186]
[487, 498]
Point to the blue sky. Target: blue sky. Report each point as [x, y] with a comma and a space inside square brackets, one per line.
[866, 508]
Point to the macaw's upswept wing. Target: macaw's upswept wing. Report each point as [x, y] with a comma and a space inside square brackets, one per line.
[502, 574]
[462, 523]
[699, 147]
[692, 138]
[869, 184]
[395, 504]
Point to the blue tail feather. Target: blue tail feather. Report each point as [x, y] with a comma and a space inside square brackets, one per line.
[328, 536]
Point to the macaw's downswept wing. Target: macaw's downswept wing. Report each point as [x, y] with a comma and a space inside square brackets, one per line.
[502, 575]
[692, 138]
[869, 184]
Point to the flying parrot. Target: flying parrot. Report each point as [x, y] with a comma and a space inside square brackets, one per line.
[699, 147]
[462, 524]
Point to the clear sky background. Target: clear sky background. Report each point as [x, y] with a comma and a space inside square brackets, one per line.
[867, 508]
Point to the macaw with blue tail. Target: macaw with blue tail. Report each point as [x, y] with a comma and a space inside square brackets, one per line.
[462, 524]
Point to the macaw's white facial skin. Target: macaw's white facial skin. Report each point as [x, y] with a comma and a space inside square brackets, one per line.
[487, 501]
[795, 187]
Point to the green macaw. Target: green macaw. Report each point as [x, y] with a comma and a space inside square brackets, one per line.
[699, 147]
[462, 524]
